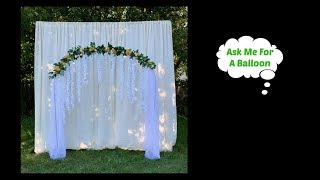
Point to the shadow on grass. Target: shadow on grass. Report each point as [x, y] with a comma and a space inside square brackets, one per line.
[103, 161]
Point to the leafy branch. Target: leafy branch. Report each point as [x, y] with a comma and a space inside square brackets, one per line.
[78, 52]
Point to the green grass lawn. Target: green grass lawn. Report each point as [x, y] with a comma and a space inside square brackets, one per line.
[103, 161]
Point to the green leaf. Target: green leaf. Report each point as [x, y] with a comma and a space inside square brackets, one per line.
[142, 60]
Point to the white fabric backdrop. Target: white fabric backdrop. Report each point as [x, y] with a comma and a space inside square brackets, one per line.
[94, 123]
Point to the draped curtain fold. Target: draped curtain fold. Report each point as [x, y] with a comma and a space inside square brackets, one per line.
[104, 99]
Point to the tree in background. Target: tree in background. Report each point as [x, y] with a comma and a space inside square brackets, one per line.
[29, 15]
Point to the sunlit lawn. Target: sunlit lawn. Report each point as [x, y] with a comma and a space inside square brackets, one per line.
[102, 161]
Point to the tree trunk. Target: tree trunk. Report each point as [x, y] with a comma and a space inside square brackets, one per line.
[177, 64]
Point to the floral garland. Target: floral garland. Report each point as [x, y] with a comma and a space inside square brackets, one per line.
[76, 52]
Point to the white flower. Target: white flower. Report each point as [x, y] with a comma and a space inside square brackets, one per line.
[50, 67]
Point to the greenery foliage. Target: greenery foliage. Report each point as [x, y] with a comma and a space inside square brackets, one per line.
[29, 15]
[78, 52]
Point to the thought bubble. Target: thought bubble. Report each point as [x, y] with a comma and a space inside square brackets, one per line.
[266, 84]
[264, 92]
[267, 74]
[249, 57]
